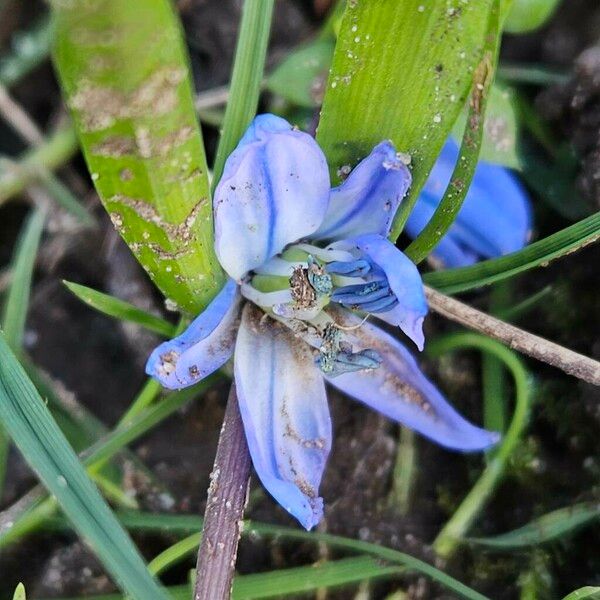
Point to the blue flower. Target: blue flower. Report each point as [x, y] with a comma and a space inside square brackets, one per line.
[301, 257]
[495, 218]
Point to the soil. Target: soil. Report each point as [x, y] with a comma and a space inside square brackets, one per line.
[99, 361]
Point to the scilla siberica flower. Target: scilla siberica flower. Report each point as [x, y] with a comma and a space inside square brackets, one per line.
[301, 257]
[495, 218]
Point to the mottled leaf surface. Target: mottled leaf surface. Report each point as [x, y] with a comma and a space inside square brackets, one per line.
[124, 71]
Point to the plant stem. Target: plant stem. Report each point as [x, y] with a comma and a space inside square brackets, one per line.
[570, 362]
[225, 505]
[456, 528]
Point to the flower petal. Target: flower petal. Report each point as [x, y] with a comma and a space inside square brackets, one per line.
[495, 218]
[404, 280]
[367, 201]
[284, 408]
[399, 390]
[203, 347]
[274, 191]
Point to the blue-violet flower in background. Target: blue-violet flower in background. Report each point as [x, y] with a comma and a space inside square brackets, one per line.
[495, 218]
[301, 257]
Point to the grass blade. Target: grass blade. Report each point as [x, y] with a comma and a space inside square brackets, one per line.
[119, 309]
[463, 172]
[23, 262]
[28, 421]
[246, 78]
[51, 154]
[186, 524]
[454, 530]
[551, 526]
[554, 246]
[295, 580]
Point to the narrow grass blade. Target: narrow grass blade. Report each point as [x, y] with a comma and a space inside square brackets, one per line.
[23, 262]
[119, 309]
[29, 423]
[65, 198]
[246, 78]
[32, 515]
[401, 71]
[453, 533]
[539, 253]
[295, 580]
[463, 172]
[551, 526]
[29, 49]
[187, 524]
[133, 109]
[55, 151]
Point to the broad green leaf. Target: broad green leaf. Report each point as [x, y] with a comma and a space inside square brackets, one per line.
[584, 593]
[528, 15]
[299, 78]
[401, 71]
[501, 129]
[246, 79]
[539, 253]
[124, 73]
[119, 309]
[20, 592]
[551, 526]
[23, 262]
[29, 423]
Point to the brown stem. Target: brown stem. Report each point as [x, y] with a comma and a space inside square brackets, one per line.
[225, 505]
[568, 361]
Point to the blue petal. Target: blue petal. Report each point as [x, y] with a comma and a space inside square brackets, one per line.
[495, 218]
[404, 280]
[399, 390]
[284, 408]
[367, 201]
[274, 191]
[202, 348]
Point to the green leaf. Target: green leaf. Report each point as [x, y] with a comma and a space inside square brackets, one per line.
[464, 170]
[551, 526]
[463, 517]
[528, 15]
[189, 524]
[33, 164]
[125, 76]
[23, 262]
[119, 309]
[539, 253]
[20, 592]
[501, 129]
[401, 71]
[299, 78]
[29, 49]
[246, 79]
[45, 448]
[296, 580]
[584, 593]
